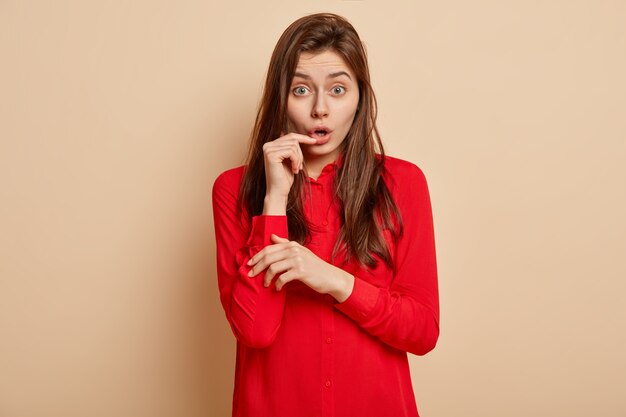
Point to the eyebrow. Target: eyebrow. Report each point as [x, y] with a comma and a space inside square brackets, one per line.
[331, 75]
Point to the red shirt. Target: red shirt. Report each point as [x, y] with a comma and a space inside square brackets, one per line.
[301, 353]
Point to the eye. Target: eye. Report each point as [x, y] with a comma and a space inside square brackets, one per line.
[300, 91]
[338, 90]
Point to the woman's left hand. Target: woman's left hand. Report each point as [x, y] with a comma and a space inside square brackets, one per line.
[295, 262]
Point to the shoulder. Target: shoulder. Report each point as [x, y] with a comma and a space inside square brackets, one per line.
[400, 173]
[230, 177]
[228, 181]
[407, 184]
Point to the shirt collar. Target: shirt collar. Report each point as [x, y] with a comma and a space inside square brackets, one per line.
[330, 169]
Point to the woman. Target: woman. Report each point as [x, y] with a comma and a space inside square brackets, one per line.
[325, 248]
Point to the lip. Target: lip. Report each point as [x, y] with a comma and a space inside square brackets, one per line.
[321, 140]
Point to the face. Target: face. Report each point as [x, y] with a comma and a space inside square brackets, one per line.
[322, 102]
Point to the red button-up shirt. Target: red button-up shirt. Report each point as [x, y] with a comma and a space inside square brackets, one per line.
[301, 353]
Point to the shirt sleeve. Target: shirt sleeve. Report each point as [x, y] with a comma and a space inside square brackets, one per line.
[253, 311]
[405, 315]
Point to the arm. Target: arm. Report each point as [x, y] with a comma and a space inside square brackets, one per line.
[253, 311]
[405, 315]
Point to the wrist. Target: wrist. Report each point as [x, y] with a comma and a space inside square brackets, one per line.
[343, 287]
[275, 205]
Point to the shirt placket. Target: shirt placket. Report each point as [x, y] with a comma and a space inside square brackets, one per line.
[320, 206]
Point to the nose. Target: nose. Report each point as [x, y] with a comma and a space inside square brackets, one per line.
[320, 108]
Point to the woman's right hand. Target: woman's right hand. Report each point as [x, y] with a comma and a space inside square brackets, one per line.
[283, 159]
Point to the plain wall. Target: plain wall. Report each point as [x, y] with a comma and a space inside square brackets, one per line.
[116, 117]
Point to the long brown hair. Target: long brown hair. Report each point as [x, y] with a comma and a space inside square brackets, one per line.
[366, 204]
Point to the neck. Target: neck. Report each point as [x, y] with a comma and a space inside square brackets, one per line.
[315, 164]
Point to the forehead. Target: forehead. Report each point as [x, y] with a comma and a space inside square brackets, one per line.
[327, 60]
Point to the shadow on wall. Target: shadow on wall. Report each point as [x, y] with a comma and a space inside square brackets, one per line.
[207, 348]
[229, 142]
[221, 349]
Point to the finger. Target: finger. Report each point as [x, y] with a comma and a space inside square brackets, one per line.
[280, 152]
[275, 269]
[277, 239]
[275, 247]
[267, 256]
[295, 142]
[283, 152]
[283, 279]
[304, 138]
[297, 139]
[298, 136]
[279, 244]
[295, 165]
[260, 254]
[267, 261]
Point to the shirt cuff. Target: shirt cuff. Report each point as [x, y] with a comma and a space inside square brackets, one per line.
[264, 226]
[361, 302]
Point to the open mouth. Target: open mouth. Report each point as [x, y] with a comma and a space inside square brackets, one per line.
[320, 132]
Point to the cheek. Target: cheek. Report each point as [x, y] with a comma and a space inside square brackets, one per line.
[348, 112]
[294, 111]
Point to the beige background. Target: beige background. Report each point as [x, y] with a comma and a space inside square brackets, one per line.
[116, 117]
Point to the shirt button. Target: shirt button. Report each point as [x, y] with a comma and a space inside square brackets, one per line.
[329, 340]
[327, 384]
[325, 223]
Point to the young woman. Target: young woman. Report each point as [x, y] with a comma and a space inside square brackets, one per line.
[325, 247]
